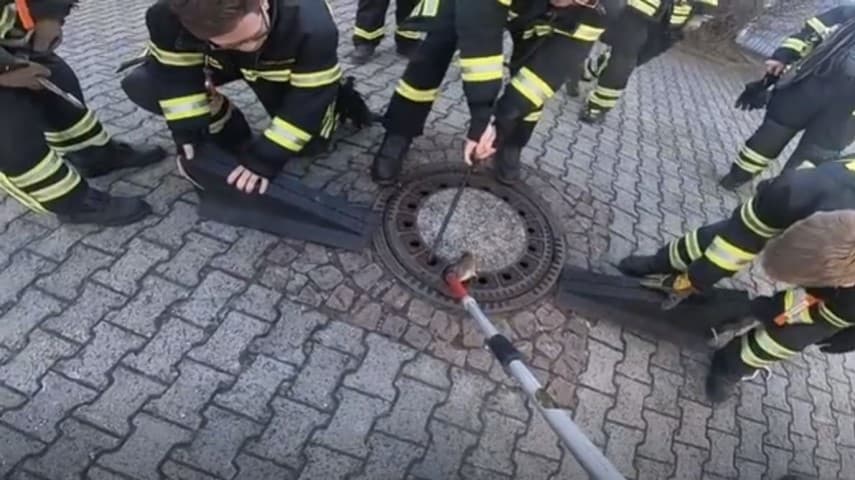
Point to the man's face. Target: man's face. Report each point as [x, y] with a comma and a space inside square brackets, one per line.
[249, 33]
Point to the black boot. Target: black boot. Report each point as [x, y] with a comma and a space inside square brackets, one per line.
[721, 382]
[593, 115]
[407, 49]
[389, 160]
[734, 179]
[638, 265]
[362, 52]
[98, 161]
[100, 208]
[507, 164]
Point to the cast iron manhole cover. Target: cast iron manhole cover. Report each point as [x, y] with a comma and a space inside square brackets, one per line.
[519, 247]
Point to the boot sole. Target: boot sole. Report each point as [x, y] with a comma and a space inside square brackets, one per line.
[116, 222]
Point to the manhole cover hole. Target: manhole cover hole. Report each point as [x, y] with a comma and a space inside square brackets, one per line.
[519, 247]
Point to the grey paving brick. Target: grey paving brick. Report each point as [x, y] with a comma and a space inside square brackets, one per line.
[171, 230]
[630, 398]
[166, 349]
[540, 438]
[91, 365]
[690, 461]
[667, 356]
[185, 266]
[696, 373]
[341, 298]
[751, 401]
[845, 430]
[591, 412]
[114, 239]
[636, 359]
[779, 428]
[802, 411]
[15, 447]
[663, 397]
[693, 424]
[351, 422]
[836, 370]
[822, 407]
[81, 263]
[225, 347]
[828, 468]
[751, 440]
[721, 460]
[259, 302]
[508, 401]
[750, 470]
[244, 254]
[20, 233]
[841, 398]
[570, 467]
[147, 446]
[68, 457]
[76, 321]
[848, 460]
[534, 467]
[621, 447]
[445, 452]
[25, 315]
[319, 377]
[660, 434]
[417, 337]
[797, 375]
[779, 461]
[601, 366]
[389, 458]
[428, 370]
[23, 269]
[460, 409]
[826, 448]
[326, 277]
[411, 411]
[255, 387]
[40, 416]
[10, 399]
[128, 270]
[287, 338]
[368, 276]
[253, 468]
[287, 432]
[114, 408]
[803, 455]
[141, 314]
[24, 370]
[369, 317]
[327, 464]
[216, 445]
[208, 299]
[724, 416]
[178, 471]
[495, 448]
[817, 367]
[183, 402]
[653, 470]
[100, 473]
[380, 366]
[342, 337]
[776, 391]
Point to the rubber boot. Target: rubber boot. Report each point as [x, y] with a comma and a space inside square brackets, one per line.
[638, 265]
[592, 115]
[362, 53]
[508, 165]
[389, 160]
[99, 208]
[735, 178]
[721, 382]
[98, 161]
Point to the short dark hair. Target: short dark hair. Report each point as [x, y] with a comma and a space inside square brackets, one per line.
[209, 18]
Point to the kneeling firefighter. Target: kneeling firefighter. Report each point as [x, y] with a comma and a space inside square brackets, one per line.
[645, 29]
[50, 139]
[285, 50]
[816, 97]
[550, 40]
[803, 223]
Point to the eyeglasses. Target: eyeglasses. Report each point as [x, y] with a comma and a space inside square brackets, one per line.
[257, 37]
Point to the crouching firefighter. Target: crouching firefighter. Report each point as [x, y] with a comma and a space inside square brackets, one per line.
[550, 40]
[645, 29]
[285, 50]
[816, 97]
[49, 140]
[803, 223]
[370, 30]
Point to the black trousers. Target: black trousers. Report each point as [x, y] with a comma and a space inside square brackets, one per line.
[626, 37]
[371, 17]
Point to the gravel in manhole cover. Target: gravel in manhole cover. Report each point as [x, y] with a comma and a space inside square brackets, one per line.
[518, 244]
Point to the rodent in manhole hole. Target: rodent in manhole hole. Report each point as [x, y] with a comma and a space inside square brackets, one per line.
[518, 243]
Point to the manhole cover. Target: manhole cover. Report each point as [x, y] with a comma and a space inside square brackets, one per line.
[519, 247]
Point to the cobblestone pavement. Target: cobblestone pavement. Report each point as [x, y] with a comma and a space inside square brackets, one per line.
[183, 349]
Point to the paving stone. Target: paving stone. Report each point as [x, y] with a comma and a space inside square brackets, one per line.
[724, 416]
[21, 233]
[803, 455]
[10, 399]
[255, 387]
[286, 339]
[690, 461]
[826, 447]
[342, 337]
[259, 302]
[459, 409]
[91, 365]
[287, 432]
[607, 333]
[751, 440]
[496, 445]
[129, 269]
[508, 401]
[380, 366]
[653, 470]
[99, 473]
[15, 447]
[570, 468]
[183, 402]
[65, 281]
[224, 348]
[24, 370]
[243, 255]
[320, 377]
[396, 297]
[178, 471]
[841, 398]
[171, 230]
[802, 411]
[845, 430]
[254, 468]
[828, 468]
[636, 360]
[326, 277]
[693, 426]
[58, 243]
[590, 413]
[147, 446]
[16, 276]
[113, 409]
[797, 375]
[779, 462]
[185, 266]
[835, 370]
[141, 314]
[534, 467]
[750, 470]
[75, 449]
[166, 349]
[696, 373]
[310, 296]
[326, 464]
[663, 397]
[216, 445]
[621, 447]
[341, 298]
[751, 401]
[779, 428]
[667, 356]
[24, 316]
[352, 421]
[721, 460]
[822, 407]
[428, 370]
[660, 434]
[417, 337]
[393, 326]
[630, 398]
[282, 279]
[208, 299]
[817, 368]
[540, 438]
[368, 276]
[389, 457]
[411, 411]
[601, 366]
[446, 451]
[776, 391]
[848, 460]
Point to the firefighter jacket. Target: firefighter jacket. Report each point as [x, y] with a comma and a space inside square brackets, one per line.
[794, 195]
[295, 74]
[17, 20]
[815, 31]
[678, 11]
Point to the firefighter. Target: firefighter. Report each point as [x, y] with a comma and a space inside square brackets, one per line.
[818, 100]
[646, 29]
[369, 29]
[548, 44]
[50, 145]
[803, 222]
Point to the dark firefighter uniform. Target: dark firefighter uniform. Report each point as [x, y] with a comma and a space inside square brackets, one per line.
[645, 29]
[821, 103]
[295, 75]
[370, 30]
[719, 250]
[548, 46]
[43, 137]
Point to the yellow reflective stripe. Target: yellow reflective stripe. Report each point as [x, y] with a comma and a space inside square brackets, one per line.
[182, 108]
[682, 9]
[533, 116]
[369, 35]
[409, 34]
[796, 44]
[175, 59]
[506, 3]
[712, 3]
[282, 76]
[482, 69]
[587, 33]
[328, 124]
[512, 14]
[647, 8]
[97, 141]
[674, 256]
[532, 87]
[751, 161]
[427, 8]
[7, 19]
[316, 79]
[58, 189]
[20, 195]
[411, 93]
[817, 26]
[45, 168]
[749, 357]
[678, 19]
[605, 97]
[693, 246]
[84, 125]
[727, 256]
[832, 317]
[752, 221]
[770, 345]
[287, 135]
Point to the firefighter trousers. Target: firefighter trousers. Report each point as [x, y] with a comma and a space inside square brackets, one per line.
[626, 37]
[37, 130]
[819, 107]
[371, 17]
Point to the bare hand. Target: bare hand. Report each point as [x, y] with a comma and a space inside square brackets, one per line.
[247, 181]
[475, 152]
[25, 77]
[774, 67]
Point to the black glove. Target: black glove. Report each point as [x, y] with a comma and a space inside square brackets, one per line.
[841, 342]
[350, 106]
[756, 94]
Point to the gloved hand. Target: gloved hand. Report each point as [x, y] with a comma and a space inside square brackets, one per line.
[841, 342]
[756, 94]
[676, 286]
[47, 35]
[26, 76]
